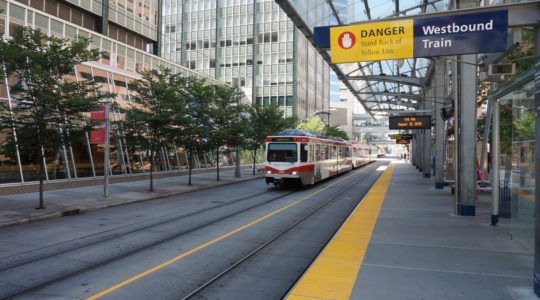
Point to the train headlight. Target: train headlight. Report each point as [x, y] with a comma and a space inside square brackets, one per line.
[294, 173]
[268, 172]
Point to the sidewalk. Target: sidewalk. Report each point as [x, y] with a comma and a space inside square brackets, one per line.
[20, 208]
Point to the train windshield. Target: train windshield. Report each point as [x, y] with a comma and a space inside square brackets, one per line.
[284, 152]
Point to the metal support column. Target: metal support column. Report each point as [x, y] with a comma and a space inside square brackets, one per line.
[237, 158]
[495, 149]
[426, 150]
[89, 148]
[537, 165]
[466, 136]
[419, 152]
[440, 130]
[413, 150]
[106, 156]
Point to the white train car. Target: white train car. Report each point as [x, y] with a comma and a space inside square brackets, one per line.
[301, 157]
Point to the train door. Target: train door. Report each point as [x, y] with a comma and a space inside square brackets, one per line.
[304, 153]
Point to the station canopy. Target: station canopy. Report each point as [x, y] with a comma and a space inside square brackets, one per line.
[382, 87]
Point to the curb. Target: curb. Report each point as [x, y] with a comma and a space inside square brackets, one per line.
[57, 214]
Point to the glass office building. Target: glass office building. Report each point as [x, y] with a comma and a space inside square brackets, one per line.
[251, 43]
[126, 51]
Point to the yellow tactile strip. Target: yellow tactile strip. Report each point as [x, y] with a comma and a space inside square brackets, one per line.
[333, 274]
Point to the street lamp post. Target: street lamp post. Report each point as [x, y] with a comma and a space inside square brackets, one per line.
[106, 163]
[237, 166]
[326, 112]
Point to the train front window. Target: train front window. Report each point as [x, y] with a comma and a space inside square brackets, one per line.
[282, 152]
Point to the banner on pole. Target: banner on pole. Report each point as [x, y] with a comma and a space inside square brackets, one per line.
[97, 135]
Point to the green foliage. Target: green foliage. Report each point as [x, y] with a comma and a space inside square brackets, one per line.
[313, 125]
[228, 117]
[225, 124]
[522, 56]
[524, 127]
[263, 121]
[51, 103]
[148, 121]
[193, 119]
[505, 128]
[334, 130]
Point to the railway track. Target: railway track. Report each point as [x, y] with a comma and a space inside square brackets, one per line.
[193, 294]
[76, 244]
[72, 246]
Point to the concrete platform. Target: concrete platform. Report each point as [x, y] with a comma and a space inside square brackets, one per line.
[419, 249]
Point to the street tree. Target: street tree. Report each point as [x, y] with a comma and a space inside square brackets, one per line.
[224, 122]
[51, 103]
[334, 130]
[192, 119]
[264, 121]
[147, 122]
[313, 124]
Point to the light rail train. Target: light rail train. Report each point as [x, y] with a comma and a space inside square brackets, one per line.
[296, 156]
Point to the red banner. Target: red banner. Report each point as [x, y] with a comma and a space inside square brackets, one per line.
[97, 135]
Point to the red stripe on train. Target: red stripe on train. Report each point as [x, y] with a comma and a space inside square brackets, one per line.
[305, 168]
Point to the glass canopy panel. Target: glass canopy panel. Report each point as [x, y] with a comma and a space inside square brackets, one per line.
[374, 93]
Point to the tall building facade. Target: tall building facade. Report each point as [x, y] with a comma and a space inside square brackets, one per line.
[132, 22]
[250, 43]
[125, 31]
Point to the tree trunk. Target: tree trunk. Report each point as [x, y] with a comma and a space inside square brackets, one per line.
[254, 159]
[217, 159]
[41, 176]
[189, 166]
[151, 170]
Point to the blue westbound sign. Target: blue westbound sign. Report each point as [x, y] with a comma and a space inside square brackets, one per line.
[430, 36]
[461, 34]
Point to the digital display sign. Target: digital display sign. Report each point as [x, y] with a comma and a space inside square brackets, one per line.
[410, 122]
[282, 139]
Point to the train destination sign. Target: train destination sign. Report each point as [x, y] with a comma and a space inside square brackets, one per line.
[420, 37]
[403, 142]
[403, 136]
[406, 136]
[410, 122]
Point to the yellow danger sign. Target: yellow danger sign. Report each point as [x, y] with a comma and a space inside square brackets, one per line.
[373, 41]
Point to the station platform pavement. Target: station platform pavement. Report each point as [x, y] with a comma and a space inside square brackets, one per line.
[21, 208]
[404, 242]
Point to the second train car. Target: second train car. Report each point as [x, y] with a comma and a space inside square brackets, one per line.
[301, 157]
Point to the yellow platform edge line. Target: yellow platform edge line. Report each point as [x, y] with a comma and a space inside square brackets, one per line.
[164, 264]
[333, 273]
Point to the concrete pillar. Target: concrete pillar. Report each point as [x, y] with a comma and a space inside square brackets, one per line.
[426, 151]
[466, 136]
[440, 130]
